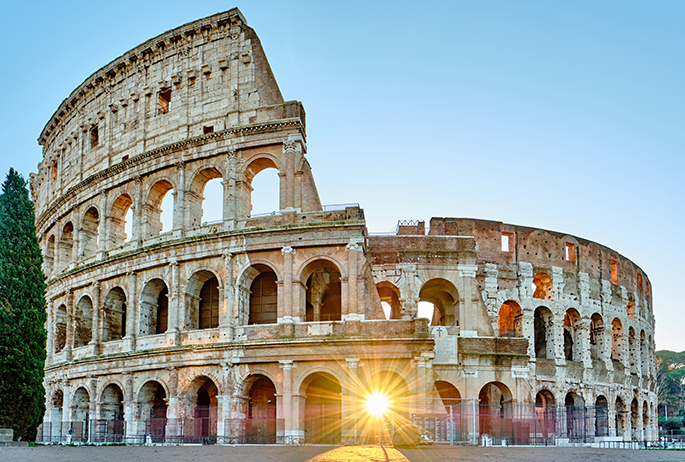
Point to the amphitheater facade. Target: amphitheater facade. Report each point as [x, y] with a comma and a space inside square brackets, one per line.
[276, 328]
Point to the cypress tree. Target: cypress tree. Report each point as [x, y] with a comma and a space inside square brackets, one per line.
[22, 313]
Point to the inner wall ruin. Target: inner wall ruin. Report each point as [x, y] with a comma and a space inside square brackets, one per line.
[276, 327]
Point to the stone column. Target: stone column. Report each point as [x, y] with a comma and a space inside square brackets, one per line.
[69, 344]
[584, 344]
[558, 338]
[353, 305]
[130, 418]
[137, 232]
[93, 406]
[173, 412]
[285, 410]
[66, 405]
[102, 231]
[50, 328]
[230, 193]
[76, 246]
[468, 324]
[96, 330]
[290, 150]
[226, 307]
[351, 418]
[173, 335]
[288, 311]
[180, 220]
[131, 314]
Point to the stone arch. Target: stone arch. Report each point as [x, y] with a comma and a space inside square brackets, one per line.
[112, 403]
[56, 406]
[597, 336]
[394, 386]
[255, 166]
[495, 411]
[80, 406]
[634, 419]
[449, 395]
[601, 416]
[152, 409]
[390, 299]
[616, 340]
[573, 340]
[620, 416]
[445, 298]
[263, 295]
[66, 246]
[510, 320]
[59, 338]
[575, 415]
[154, 307]
[630, 308]
[89, 232]
[83, 322]
[202, 300]
[49, 257]
[114, 315]
[543, 288]
[322, 410]
[543, 333]
[323, 299]
[200, 403]
[152, 210]
[545, 412]
[195, 195]
[645, 420]
[117, 220]
[260, 409]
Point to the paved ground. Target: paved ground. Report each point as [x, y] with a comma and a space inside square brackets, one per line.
[327, 454]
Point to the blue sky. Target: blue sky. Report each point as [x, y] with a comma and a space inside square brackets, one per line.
[559, 115]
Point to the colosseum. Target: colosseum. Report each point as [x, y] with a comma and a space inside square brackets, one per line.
[300, 326]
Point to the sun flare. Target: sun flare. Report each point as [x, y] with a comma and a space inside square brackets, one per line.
[377, 404]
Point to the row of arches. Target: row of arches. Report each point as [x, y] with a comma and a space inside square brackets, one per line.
[577, 339]
[162, 207]
[438, 300]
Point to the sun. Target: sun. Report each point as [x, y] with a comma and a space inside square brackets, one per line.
[377, 403]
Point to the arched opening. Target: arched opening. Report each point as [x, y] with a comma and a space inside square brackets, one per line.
[56, 412]
[645, 421]
[573, 342]
[390, 300]
[596, 336]
[601, 416]
[545, 413]
[620, 417]
[265, 193]
[89, 232]
[260, 426]
[632, 348]
[263, 297]
[205, 198]
[154, 308]
[49, 258]
[394, 387]
[544, 333]
[322, 411]
[494, 413]
[616, 340]
[119, 217]
[267, 185]
[630, 308]
[510, 319]
[206, 410]
[575, 416]
[202, 301]
[445, 298]
[160, 197]
[114, 315]
[543, 287]
[80, 415]
[83, 322]
[112, 413]
[152, 408]
[66, 246]
[60, 334]
[324, 297]
[634, 420]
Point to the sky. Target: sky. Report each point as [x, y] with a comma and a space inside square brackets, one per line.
[567, 116]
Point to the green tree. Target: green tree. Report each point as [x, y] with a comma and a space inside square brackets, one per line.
[22, 313]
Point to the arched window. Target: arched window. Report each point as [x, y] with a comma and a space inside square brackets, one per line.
[573, 342]
[209, 304]
[267, 185]
[596, 336]
[445, 298]
[60, 335]
[154, 308]
[544, 333]
[159, 199]
[510, 319]
[205, 198]
[89, 232]
[50, 256]
[630, 308]
[616, 340]
[543, 287]
[264, 299]
[119, 219]
[324, 297]
[390, 299]
[83, 329]
[66, 246]
[114, 322]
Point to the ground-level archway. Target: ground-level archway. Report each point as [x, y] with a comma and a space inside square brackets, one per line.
[322, 411]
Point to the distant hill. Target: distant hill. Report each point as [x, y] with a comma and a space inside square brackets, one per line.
[671, 381]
